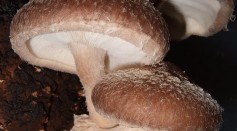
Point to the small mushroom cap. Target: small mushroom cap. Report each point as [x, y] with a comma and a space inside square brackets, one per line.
[195, 17]
[158, 98]
[130, 31]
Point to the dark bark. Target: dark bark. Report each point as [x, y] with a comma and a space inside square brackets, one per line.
[33, 98]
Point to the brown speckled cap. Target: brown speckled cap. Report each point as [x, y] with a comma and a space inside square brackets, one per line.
[42, 26]
[158, 98]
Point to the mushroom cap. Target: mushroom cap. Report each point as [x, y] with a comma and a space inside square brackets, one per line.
[156, 97]
[131, 31]
[195, 17]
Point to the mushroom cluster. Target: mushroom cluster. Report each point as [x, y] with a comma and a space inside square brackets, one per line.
[116, 48]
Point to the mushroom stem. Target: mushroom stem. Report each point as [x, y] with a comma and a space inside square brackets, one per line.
[90, 65]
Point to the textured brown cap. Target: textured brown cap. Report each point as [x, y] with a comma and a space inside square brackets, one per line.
[135, 21]
[156, 97]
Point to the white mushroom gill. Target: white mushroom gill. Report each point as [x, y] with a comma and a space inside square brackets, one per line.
[199, 14]
[55, 47]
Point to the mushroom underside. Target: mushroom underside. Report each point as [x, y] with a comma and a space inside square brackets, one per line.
[55, 48]
[195, 17]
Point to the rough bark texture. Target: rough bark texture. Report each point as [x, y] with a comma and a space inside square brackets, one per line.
[33, 98]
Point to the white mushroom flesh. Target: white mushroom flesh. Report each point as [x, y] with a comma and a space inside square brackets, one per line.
[55, 47]
[199, 15]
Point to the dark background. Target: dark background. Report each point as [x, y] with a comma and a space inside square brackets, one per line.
[209, 62]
